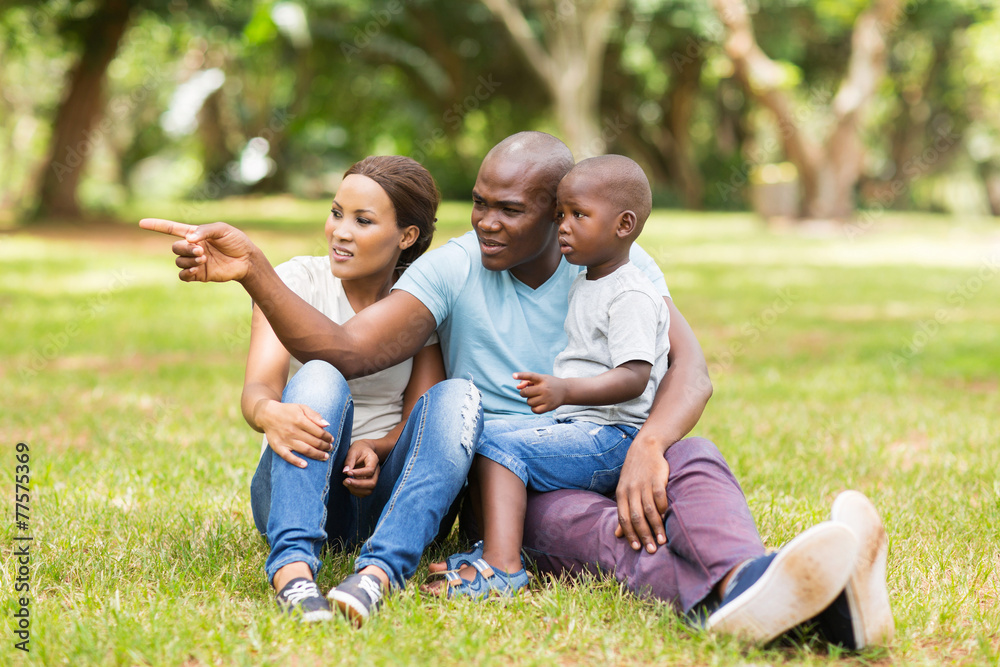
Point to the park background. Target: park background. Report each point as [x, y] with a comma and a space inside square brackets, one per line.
[825, 173]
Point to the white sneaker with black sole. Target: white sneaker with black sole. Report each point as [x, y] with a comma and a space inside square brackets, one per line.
[768, 596]
[301, 598]
[358, 597]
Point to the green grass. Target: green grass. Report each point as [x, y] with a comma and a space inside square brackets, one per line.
[126, 382]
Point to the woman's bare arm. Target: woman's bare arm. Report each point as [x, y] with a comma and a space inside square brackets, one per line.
[293, 430]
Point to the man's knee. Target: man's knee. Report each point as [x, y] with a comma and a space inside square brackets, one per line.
[694, 451]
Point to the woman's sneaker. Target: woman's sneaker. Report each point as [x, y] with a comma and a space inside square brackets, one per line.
[358, 597]
[768, 596]
[301, 598]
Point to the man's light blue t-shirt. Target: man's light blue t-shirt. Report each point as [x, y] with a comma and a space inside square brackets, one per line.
[491, 324]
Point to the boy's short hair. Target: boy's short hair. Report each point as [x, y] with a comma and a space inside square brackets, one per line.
[623, 183]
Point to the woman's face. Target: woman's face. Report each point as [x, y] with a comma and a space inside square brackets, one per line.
[361, 231]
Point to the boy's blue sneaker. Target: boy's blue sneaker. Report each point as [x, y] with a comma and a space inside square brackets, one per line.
[768, 596]
[861, 614]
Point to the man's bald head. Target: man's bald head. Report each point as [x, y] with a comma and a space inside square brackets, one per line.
[621, 182]
[544, 157]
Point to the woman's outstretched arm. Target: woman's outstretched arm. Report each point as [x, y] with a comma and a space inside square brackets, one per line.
[378, 337]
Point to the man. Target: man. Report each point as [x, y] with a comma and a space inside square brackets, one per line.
[503, 311]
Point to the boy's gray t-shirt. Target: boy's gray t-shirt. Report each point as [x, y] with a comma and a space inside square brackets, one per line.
[618, 318]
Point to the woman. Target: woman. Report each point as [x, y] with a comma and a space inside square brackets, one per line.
[328, 465]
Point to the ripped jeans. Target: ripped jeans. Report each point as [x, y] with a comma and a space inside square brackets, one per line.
[549, 455]
[301, 509]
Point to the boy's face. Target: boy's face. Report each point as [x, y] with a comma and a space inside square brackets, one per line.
[587, 221]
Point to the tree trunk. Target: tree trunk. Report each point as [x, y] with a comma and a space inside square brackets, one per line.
[569, 61]
[74, 135]
[575, 106]
[833, 197]
[991, 186]
[828, 170]
[213, 135]
[682, 97]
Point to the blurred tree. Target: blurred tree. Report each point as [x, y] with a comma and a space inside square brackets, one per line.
[828, 169]
[564, 43]
[653, 87]
[33, 64]
[72, 132]
[95, 30]
[973, 85]
[313, 85]
[425, 78]
[923, 117]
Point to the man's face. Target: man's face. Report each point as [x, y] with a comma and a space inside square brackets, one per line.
[512, 214]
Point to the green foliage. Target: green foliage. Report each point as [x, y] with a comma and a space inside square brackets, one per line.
[34, 62]
[125, 382]
[441, 80]
[260, 29]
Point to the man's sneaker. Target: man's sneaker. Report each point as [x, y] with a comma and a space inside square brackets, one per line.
[861, 614]
[358, 597]
[769, 595]
[301, 598]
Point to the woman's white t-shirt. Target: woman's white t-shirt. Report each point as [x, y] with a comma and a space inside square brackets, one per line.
[378, 398]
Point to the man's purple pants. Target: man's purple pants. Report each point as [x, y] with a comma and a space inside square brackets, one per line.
[709, 531]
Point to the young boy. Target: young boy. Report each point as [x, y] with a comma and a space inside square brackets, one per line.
[603, 383]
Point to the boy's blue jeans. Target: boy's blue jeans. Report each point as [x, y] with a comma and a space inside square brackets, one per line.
[301, 509]
[548, 455]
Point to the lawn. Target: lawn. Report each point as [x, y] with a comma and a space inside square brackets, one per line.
[864, 357]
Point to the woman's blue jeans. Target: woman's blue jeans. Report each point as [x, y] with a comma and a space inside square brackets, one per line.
[301, 509]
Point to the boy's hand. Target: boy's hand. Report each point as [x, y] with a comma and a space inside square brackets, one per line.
[361, 468]
[544, 392]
